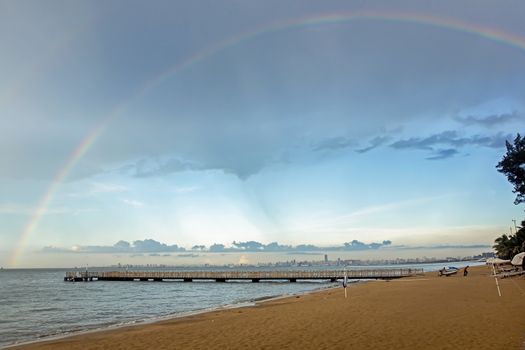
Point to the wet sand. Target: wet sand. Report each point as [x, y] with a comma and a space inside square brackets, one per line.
[424, 312]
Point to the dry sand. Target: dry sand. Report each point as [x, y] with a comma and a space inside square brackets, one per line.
[425, 312]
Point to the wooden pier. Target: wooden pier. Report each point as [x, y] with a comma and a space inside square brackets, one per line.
[253, 276]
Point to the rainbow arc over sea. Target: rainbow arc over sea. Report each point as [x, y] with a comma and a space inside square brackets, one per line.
[447, 23]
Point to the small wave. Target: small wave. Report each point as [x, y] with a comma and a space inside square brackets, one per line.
[265, 298]
[44, 309]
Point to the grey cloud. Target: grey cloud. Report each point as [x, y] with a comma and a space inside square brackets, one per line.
[145, 168]
[52, 249]
[250, 245]
[443, 154]
[155, 248]
[145, 246]
[443, 246]
[304, 253]
[452, 139]
[160, 255]
[253, 246]
[218, 247]
[122, 246]
[374, 143]
[188, 255]
[334, 143]
[237, 109]
[491, 120]
[150, 245]
[241, 166]
[427, 143]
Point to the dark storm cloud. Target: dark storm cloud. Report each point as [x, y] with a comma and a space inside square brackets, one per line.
[238, 109]
[491, 120]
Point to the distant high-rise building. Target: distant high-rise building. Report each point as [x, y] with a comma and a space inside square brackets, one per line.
[326, 258]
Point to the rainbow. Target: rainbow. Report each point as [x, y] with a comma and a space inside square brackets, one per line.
[40, 209]
[475, 29]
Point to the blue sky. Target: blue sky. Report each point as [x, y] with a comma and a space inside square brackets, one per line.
[318, 132]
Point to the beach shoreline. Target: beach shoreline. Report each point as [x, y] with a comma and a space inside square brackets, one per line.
[429, 312]
[178, 315]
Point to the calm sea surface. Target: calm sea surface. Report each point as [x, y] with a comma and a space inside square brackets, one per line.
[36, 303]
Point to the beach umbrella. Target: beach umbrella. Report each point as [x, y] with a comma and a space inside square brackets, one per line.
[497, 261]
[518, 259]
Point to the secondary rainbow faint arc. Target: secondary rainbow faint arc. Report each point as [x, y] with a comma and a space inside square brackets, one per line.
[489, 33]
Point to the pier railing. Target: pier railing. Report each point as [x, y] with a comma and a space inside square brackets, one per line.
[255, 276]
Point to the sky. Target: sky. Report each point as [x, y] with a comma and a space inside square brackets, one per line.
[297, 122]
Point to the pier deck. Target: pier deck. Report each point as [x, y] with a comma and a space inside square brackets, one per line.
[254, 276]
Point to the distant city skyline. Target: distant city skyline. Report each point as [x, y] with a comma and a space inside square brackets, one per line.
[218, 122]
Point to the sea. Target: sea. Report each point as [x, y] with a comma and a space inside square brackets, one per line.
[36, 304]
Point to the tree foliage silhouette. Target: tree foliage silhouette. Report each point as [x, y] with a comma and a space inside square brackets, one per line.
[513, 167]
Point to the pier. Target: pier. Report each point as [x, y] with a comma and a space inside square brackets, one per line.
[253, 276]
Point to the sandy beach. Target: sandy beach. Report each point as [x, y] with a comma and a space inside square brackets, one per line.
[423, 312]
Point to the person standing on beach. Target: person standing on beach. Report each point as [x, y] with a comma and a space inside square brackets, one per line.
[465, 271]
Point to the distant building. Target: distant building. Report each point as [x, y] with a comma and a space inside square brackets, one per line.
[326, 258]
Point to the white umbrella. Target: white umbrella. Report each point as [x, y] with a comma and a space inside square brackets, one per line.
[497, 261]
[518, 259]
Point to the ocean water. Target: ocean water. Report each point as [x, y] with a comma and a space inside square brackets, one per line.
[37, 303]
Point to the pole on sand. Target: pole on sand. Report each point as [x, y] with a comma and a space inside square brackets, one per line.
[345, 283]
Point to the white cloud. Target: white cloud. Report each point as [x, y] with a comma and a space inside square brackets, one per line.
[327, 222]
[185, 189]
[14, 209]
[96, 188]
[99, 187]
[133, 203]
